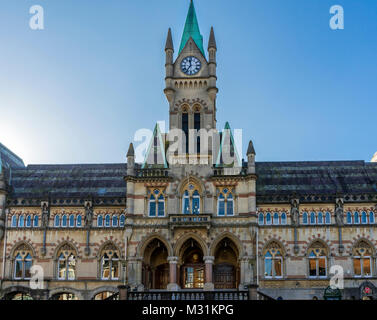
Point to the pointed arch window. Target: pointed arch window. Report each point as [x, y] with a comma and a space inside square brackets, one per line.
[100, 221]
[21, 221]
[191, 200]
[115, 220]
[320, 218]
[64, 221]
[268, 218]
[328, 218]
[362, 260]
[305, 218]
[110, 263]
[195, 202]
[349, 217]
[36, 221]
[23, 262]
[107, 221]
[313, 218]
[225, 202]
[273, 261]
[79, 221]
[186, 203]
[371, 217]
[14, 221]
[317, 261]
[66, 264]
[356, 218]
[364, 218]
[283, 218]
[57, 221]
[28, 221]
[71, 221]
[157, 204]
[122, 220]
[276, 218]
[261, 219]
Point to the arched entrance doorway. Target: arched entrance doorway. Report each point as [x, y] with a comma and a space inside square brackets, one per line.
[226, 267]
[155, 265]
[192, 265]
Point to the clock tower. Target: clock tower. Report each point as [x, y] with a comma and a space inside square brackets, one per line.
[191, 79]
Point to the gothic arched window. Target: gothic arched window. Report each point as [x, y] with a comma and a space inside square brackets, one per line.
[122, 220]
[364, 219]
[313, 218]
[349, 217]
[261, 218]
[28, 221]
[21, 221]
[371, 217]
[14, 221]
[115, 220]
[71, 221]
[317, 260]
[273, 261]
[64, 221]
[79, 221]
[191, 200]
[57, 221]
[356, 218]
[157, 204]
[66, 264]
[276, 218]
[36, 221]
[109, 263]
[107, 221]
[283, 218]
[320, 218]
[362, 259]
[225, 202]
[23, 261]
[100, 221]
[305, 218]
[268, 218]
[328, 218]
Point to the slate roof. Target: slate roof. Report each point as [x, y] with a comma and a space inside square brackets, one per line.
[274, 178]
[65, 181]
[322, 177]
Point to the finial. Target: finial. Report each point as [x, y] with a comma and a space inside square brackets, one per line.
[131, 151]
[250, 149]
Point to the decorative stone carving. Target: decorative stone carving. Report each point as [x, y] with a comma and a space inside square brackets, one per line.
[45, 214]
[339, 211]
[88, 219]
[295, 213]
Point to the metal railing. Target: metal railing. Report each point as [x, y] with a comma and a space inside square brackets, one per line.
[189, 295]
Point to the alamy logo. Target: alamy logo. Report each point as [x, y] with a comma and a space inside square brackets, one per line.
[36, 280]
[37, 20]
[337, 20]
[337, 278]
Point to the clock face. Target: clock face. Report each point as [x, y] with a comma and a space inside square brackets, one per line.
[191, 65]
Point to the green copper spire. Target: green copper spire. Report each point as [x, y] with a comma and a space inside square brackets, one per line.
[192, 30]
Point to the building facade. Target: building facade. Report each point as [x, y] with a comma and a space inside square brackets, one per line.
[188, 221]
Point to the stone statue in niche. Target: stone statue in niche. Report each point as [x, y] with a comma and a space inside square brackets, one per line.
[295, 213]
[339, 211]
[45, 214]
[88, 214]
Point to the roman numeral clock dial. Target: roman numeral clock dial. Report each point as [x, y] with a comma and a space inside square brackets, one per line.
[191, 65]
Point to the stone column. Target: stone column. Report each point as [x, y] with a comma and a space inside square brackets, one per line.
[208, 260]
[253, 292]
[123, 292]
[173, 286]
[246, 275]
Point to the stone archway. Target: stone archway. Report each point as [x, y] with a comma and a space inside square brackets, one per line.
[191, 273]
[155, 269]
[226, 270]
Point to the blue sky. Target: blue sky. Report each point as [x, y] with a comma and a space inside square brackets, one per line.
[77, 91]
